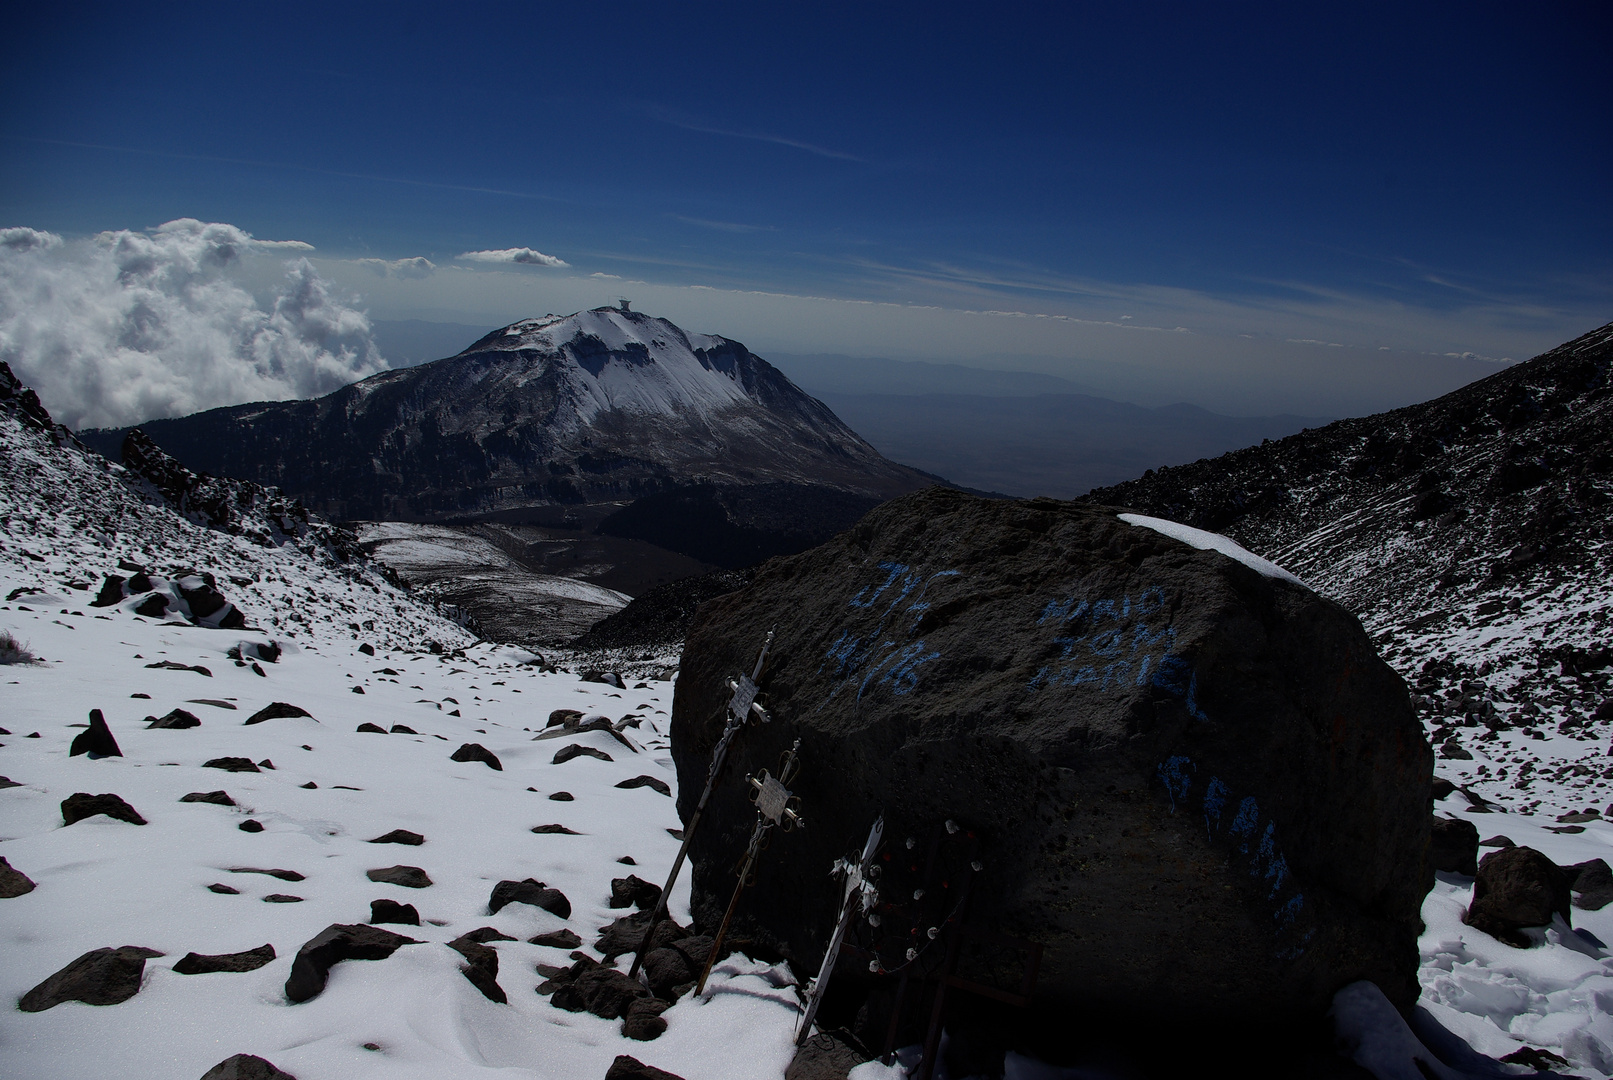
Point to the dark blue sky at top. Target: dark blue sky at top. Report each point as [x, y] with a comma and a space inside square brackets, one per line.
[1420, 153]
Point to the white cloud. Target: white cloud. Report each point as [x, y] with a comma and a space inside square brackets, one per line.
[607, 277]
[522, 256]
[417, 267]
[24, 239]
[131, 326]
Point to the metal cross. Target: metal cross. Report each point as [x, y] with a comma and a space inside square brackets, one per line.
[742, 707]
[858, 897]
[775, 807]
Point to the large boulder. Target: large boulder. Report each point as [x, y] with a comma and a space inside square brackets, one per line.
[1518, 887]
[1186, 776]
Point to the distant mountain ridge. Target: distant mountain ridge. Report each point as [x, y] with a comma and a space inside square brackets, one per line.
[600, 406]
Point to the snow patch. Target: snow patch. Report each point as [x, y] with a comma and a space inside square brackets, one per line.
[1209, 541]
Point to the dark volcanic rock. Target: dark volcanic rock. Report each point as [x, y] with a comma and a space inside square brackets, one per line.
[246, 1067]
[558, 939]
[562, 796]
[410, 877]
[1128, 726]
[564, 717]
[633, 891]
[554, 830]
[277, 710]
[1590, 882]
[368, 728]
[529, 892]
[643, 1019]
[223, 890]
[250, 960]
[647, 781]
[282, 898]
[1517, 887]
[623, 936]
[96, 740]
[99, 977]
[283, 875]
[669, 972]
[79, 806]
[232, 764]
[626, 1067]
[217, 798]
[250, 826]
[1454, 846]
[825, 1057]
[662, 615]
[481, 967]
[178, 719]
[477, 752]
[390, 911]
[400, 836]
[573, 750]
[334, 944]
[13, 882]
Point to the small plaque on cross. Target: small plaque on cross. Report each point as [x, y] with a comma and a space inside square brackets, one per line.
[772, 799]
[744, 696]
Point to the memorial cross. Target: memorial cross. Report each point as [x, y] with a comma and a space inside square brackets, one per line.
[858, 897]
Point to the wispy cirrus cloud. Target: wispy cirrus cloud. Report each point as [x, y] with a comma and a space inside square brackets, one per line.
[673, 118]
[521, 256]
[723, 226]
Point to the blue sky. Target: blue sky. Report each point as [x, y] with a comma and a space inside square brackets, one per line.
[1328, 201]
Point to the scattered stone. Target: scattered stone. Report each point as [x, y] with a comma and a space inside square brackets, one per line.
[1543, 1061]
[623, 936]
[217, 703]
[13, 882]
[1591, 883]
[647, 781]
[1454, 751]
[643, 1020]
[477, 752]
[557, 939]
[200, 964]
[1514, 888]
[484, 934]
[564, 716]
[626, 1067]
[246, 1067]
[223, 890]
[676, 834]
[481, 967]
[669, 972]
[277, 710]
[531, 892]
[338, 942]
[591, 987]
[1497, 842]
[1454, 846]
[410, 877]
[403, 729]
[96, 741]
[99, 977]
[566, 753]
[282, 898]
[283, 875]
[178, 719]
[232, 764]
[400, 836]
[374, 729]
[266, 764]
[825, 1056]
[367, 649]
[81, 805]
[556, 830]
[249, 825]
[633, 891]
[309, 786]
[360, 690]
[390, 911]
[6, 781]
[173, 665]
[562, 796]
[218, 798]
[627, 860]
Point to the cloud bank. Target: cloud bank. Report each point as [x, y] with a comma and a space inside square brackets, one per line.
[128, 326]
[522, 256]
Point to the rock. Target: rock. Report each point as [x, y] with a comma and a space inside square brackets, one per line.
[111, 591]
[1514, 888]
[232, 764]
[1130, 726]
[643, 1020]
[669, 972]
[571, 750]
[623, 936]
[529, 892]
[554, 830]
[628, 860]
[218, 798]
[481, 967]
[81, 805]
[647, 781]
[99, 977]
[484, 934]
[1454, 751]
[1454, 846]
[277, 710]
[174, 665]
[283, 875]
[1442, 787]
[334, 944]
[265, 764]
[96, 740]
[633, 891]
[826, 1056]
[154, 606]
[400, 836]
[13, 882]
[282, 898]
[477, 752]
[390, 911]
[562, 796]
[564, 716]
[250, 826]
[367, 649]
[603, 991]
[410, 877]
[1591, 883]
[557, 939]
[6, 781]
[245, 1067]
[177, 719]
[403, 729]
[609, 678]
[626, 1067]
[250, 960]
[373, 729]
[1498, 842]
[223, 890]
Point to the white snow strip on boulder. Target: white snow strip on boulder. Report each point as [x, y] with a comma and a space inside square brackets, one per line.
[1209, 541]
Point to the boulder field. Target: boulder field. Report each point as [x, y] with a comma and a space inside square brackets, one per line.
[1186, 776]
